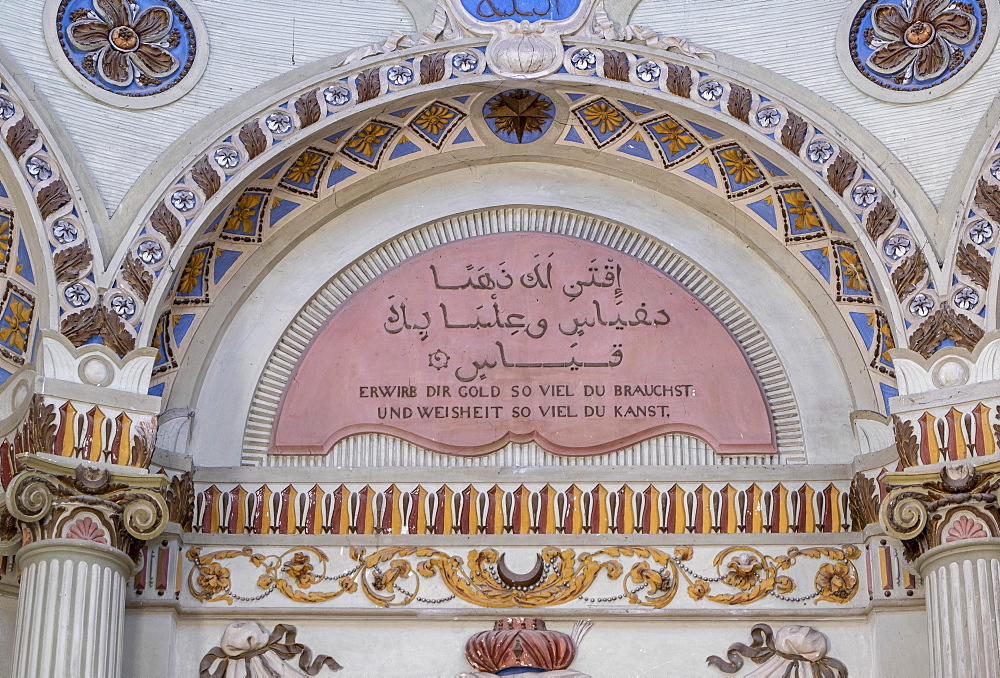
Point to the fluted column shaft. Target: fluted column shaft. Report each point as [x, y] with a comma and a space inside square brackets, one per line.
[963, 608]
[70, 616]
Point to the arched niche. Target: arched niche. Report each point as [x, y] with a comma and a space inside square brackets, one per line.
[231, 347]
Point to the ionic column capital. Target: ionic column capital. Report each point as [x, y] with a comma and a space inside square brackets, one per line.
[57, 498]
[945, 506]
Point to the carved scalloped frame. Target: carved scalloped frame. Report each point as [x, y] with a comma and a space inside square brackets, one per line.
[50, 29]
[858, 79]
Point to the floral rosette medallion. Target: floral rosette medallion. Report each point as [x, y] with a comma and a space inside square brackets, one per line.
[130, 53]
[902, 49]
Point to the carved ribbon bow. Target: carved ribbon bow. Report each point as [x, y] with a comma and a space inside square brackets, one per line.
[798, 651]
[245, 646]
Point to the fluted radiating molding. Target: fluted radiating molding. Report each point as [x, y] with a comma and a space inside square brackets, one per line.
[963, 585]
[71, 610]
[374, 450]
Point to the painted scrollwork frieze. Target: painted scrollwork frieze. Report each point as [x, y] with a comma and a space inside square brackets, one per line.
[790, 651]
[394, 577]
[56, 499]
[927, 510]
[248, 649]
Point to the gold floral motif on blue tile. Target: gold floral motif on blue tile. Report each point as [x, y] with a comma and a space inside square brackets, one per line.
[245, 220]
[435, 123]
[6, 237]
[369, 142]
[852, 279]
[674, 142]
[303, 176]
[192, 285]
[15, 323]
[603, 121]
[740, 172]
[802, 220]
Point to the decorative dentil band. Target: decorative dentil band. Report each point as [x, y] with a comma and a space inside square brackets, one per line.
[393, 576]
[571, 509]
[54, 499]
[955, 504]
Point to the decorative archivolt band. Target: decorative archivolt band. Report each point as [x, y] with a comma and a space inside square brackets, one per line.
[393, 577]
[863, 192]
[290, 348]
[755, 508]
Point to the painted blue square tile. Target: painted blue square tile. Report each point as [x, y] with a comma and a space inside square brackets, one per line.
[281, 208]
[765, 210]
[304, 174]
[339, 173]
[224, 260]
[820, 260]
[24, 261]
[673, 140]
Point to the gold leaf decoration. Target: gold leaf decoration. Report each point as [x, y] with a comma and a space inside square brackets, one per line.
[392, 576]
[432, 68]
[908, 274]
[841, 173]
[368, 84]
[739, 102]
[206, 177]
[906, 442]
[137, 277]
[679, 80]
[307, 108]
[253, 139]
[615, 65]
[166, 224]
[42, 426]
[793, 134]
[21, 136]
[52, 198]
[72, 262]
[975, 265]
[880, 219]
[862, 500]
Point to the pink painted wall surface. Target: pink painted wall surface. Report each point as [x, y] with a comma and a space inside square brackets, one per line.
[518, 337]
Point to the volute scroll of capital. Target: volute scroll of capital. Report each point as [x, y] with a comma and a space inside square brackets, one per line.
[956, 504]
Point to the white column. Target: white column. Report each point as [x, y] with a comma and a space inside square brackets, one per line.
[963, 608]
[71, 610]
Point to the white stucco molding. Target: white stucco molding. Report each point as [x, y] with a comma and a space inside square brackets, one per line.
[949, 368]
